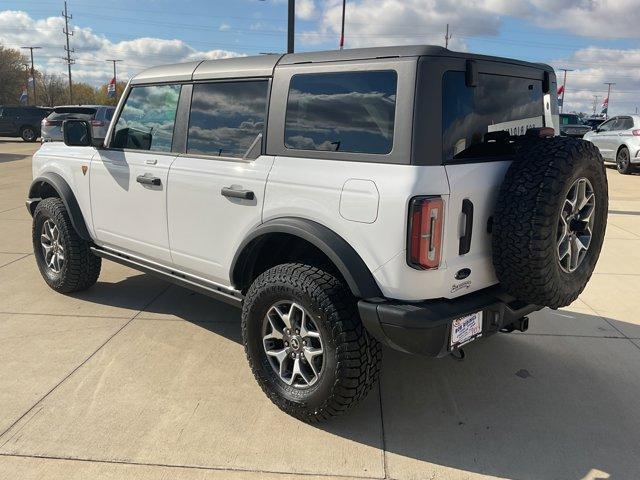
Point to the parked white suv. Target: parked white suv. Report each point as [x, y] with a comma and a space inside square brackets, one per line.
[410, 196]
[618, 140]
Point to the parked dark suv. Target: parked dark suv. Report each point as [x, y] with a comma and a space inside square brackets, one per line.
[23, 122]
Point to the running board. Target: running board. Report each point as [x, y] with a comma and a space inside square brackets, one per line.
[219, 292]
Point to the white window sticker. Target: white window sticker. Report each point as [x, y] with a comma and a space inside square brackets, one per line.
[517, 127]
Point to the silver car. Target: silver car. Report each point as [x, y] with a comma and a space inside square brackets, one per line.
[618, 140]
[99, 115]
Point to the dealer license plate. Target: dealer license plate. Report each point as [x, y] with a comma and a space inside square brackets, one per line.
[465, 329]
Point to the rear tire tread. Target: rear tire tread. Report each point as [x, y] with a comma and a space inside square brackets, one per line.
[358, 354]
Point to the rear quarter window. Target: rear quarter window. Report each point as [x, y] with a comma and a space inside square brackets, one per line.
[497, 103]
[342, 112]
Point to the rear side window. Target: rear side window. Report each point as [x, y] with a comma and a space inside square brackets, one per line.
[342, 112]
[497, 104]
[626, 123]
[147, 119]
[226, 117]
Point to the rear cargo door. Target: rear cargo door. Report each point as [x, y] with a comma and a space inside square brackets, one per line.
[476, 124]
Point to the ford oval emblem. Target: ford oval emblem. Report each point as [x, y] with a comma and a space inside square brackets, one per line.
[463, 273]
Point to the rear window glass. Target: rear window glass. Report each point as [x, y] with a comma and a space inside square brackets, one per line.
[342, 112]
[226, 118]
[570, 120]
[498, 103]
[109, 113]
[77, 113]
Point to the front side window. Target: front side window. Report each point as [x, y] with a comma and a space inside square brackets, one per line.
[226, 117]
[607, 126]
[147, 119]
[342, 112]
[497, 104]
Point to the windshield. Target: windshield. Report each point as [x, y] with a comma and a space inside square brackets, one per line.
[80, 113]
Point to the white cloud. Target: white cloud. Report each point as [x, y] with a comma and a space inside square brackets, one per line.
[91, 50]
[591, 68]
[306, 10]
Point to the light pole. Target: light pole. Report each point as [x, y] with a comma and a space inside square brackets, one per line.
[291, 26]
[115, 80]
[344, 7]
[564, 86]
[33, 76]
[608, 96]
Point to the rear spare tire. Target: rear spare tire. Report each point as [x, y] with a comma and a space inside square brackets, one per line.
[550, 220]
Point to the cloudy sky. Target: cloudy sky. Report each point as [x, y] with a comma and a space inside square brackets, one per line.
[599, 39]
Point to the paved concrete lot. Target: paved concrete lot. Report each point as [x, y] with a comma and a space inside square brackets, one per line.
[136, 379]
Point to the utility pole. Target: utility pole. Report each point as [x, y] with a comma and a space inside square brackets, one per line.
[33, 76]
[69, 51]
[447, 37]
[291, 26]
[344, 6]
[595, 103]
[608, 96]
[564, 86]
[115, 80]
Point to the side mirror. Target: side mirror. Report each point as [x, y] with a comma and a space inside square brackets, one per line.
[77, 133]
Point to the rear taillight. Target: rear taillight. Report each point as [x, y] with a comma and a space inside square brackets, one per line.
[46, 123]
[426, 216]
[636, 133]
[97, 123]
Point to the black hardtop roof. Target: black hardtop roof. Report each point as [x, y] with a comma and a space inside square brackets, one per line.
[263, 65]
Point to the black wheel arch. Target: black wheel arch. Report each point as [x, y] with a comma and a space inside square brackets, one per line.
[53, 185]
[341, 254]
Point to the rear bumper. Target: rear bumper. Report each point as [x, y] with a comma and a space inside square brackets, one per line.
[424, 328]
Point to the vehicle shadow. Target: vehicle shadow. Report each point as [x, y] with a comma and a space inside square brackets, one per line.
[522, 406]
[11, 157]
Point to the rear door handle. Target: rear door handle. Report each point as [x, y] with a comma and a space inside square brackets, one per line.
[148, 180]
[236, 193]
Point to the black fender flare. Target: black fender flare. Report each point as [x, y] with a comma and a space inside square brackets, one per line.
[67, 196]
[350, 265]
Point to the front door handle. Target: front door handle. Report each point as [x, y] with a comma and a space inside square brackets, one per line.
[148, 180]
[236, 193]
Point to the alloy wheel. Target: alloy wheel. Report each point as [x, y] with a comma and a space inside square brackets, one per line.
[575, 225]
[293, 344]
[623, 160]
[52, 247]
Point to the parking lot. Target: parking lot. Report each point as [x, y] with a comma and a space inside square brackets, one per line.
[135, 378]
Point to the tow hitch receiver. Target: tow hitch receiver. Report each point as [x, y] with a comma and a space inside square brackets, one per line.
[522, 325]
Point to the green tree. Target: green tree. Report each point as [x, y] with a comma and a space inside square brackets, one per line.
[13, 76]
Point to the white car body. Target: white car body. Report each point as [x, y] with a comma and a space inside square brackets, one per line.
[188, 227]
[616, 133]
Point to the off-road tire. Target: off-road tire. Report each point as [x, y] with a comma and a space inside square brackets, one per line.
[623, 161]
[352, 358]
[81, 268]
[28, 134]
[525, 224]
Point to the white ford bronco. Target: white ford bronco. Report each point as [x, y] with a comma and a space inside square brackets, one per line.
[407, 196]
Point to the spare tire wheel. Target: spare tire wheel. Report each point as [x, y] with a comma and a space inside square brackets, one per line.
[550, 220]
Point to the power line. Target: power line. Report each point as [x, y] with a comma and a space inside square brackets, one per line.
[69, 50]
